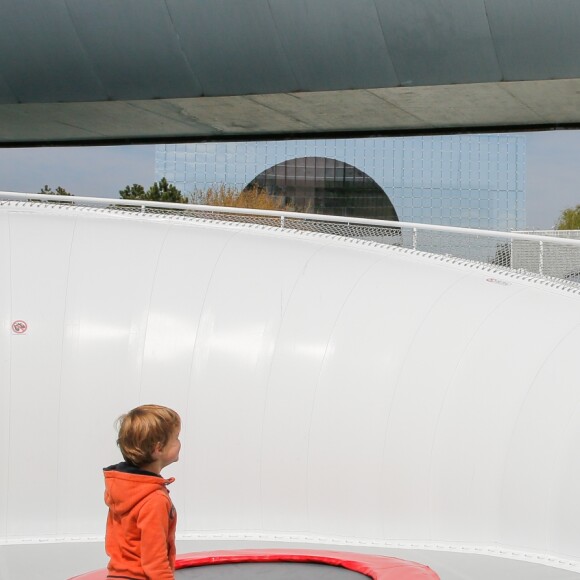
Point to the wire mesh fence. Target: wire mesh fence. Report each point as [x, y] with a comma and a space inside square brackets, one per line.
[545, 253]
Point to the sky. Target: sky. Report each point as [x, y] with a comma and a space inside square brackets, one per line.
[552, 171]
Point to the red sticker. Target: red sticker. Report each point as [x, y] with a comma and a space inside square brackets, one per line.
[19, 327]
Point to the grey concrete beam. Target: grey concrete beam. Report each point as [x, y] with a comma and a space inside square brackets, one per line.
[400, 110]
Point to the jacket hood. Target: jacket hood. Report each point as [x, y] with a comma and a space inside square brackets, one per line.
[126, 486]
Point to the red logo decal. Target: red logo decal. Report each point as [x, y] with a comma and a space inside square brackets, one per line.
[19, 327]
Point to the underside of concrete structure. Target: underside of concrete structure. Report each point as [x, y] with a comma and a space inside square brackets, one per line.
[87, 71]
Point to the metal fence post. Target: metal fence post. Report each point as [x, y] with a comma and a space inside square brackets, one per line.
[414, 238]
[541, 257]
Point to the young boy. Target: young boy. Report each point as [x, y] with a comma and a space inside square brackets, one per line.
[140, 538]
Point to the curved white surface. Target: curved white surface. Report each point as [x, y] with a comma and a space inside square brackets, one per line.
[332, 391]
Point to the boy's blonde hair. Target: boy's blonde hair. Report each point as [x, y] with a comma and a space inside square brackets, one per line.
[142, 428]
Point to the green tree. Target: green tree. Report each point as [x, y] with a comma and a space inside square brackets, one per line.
[569, 219]
[134, 191]
[162, 191]
[58, 191]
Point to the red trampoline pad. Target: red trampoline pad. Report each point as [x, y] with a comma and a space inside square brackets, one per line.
[375, 567]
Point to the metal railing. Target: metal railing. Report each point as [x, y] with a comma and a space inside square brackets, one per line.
[545, 255]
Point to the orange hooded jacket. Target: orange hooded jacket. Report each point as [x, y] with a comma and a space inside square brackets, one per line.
[140, 538]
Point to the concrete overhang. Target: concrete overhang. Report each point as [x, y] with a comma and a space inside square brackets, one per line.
[95, 71]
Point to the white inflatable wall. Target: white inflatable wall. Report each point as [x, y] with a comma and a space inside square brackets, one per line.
[331, 390]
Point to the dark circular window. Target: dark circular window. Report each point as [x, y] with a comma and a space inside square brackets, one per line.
[326, 186]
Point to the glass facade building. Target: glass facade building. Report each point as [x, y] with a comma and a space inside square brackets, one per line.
[326, 186]
[475, 181]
